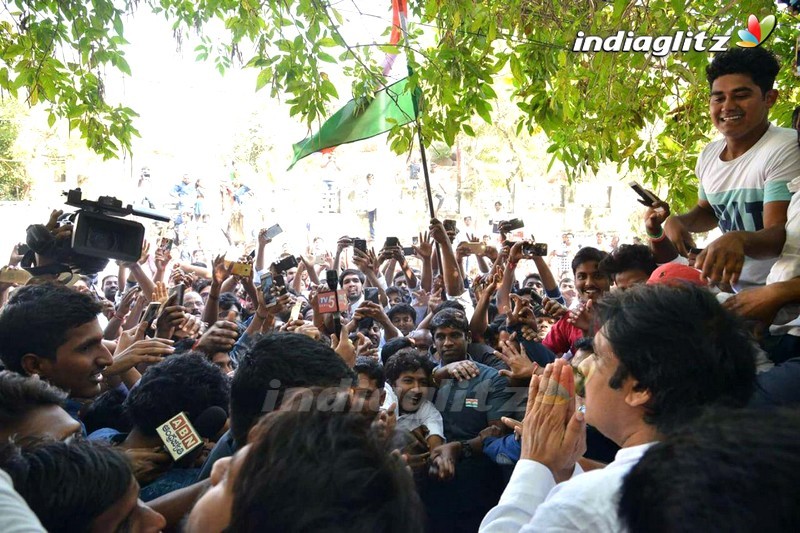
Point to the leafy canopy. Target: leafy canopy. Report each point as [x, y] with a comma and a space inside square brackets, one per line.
[642, 112]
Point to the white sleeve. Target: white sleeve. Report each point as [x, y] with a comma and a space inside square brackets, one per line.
[528, 488]
[15, 515]
[433, 421]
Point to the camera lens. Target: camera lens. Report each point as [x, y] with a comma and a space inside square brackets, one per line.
[102, 239]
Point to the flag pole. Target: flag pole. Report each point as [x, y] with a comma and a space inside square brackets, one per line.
[428, 188]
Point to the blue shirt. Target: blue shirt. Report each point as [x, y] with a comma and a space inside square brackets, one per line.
[467, 407]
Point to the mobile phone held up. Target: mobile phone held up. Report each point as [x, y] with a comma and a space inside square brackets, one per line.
[360, 244]
[178, 290]
[647, 198]
[266, 288]
[534, 249]
[391, 242]
[287, 263]
[273, 231]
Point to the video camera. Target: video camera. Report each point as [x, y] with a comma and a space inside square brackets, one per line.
[98, 234]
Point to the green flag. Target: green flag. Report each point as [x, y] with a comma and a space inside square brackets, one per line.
[390, 106]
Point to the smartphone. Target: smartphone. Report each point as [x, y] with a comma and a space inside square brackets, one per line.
[408, 250]
[475, 247]
[280, 284]
[180, 290]
[415, 241]
[285, 264]
[391, 242]
[150, 314]
[371, 294]
[244, 270]
[514, 223]
[647, 197]
[360, 244]
[273, 231]
[166, 244]
[534, 249]
[295, 313]
[252, 255]
[266, 288]
[449, 225]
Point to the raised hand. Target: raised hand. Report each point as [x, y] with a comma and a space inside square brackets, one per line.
[520, 367]
[424, 249]
[220, 272]
[134, 349]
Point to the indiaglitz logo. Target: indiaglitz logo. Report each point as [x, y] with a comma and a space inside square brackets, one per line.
[756, 32]
[681, 41]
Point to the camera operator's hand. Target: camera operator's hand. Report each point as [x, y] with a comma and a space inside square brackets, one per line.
[515, 253]
[363, 261]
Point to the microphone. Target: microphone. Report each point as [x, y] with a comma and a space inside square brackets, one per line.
[333, 284]
[210, 422]
[207, 425]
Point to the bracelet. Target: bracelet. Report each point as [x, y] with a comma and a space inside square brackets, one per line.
[655, 237]
[512, 265]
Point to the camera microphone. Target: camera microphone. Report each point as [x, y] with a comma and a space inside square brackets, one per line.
[333, 284]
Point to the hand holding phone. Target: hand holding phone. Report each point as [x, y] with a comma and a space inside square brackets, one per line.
[647, 197]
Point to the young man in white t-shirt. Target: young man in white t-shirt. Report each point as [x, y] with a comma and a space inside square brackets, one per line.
[743, 176]
[408, 372]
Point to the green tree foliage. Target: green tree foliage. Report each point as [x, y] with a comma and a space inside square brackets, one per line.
[633, 109]
[14, 181]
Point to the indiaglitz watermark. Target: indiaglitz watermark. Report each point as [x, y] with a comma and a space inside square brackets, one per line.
[753, 35]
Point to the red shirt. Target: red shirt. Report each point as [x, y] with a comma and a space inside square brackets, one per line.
[562, 336]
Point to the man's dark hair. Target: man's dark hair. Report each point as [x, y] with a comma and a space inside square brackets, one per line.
[67, 485]
[629, 257]
[758, 63]
[107, 411]
[200, 284]
[179, 383]
[679, 343]
[393, 346]
[322, 471]
[734, 470]
[584, 343]
[533, 275]
[449, 318]
[407, 360]
[19, 395]
[586, 254]
[450, 304]
[37, 318]
[370, 368]
[228, 300]
[402, 309]
[393, 290]
[273, 364]
[350, 272]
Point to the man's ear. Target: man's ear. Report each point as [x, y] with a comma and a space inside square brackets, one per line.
[771, 97]
[32, 364]
[637, 396]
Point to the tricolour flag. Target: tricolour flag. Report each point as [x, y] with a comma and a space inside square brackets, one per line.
[391, 106]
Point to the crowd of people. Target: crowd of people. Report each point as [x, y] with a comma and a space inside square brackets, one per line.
[384, 388]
